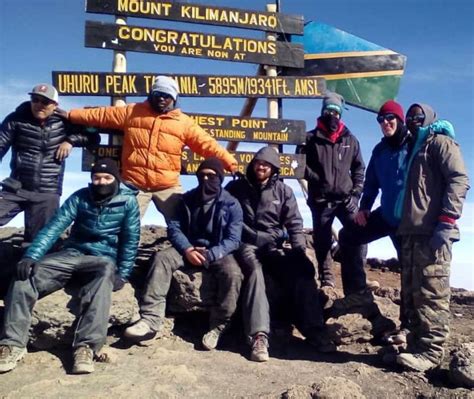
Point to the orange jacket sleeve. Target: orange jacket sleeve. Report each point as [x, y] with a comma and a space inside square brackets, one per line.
[202, 143]
[104, 117]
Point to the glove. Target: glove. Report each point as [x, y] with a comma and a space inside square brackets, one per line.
[351, 203]
[119, 283]
[23, 268]
[442, 235]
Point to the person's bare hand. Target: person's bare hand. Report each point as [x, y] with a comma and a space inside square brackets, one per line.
[194, 257]
[63, 151]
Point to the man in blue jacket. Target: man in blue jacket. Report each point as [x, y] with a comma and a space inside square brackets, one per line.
[99, 253]
[204, 233]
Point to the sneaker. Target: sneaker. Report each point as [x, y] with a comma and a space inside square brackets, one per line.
[321, 342]
[259, 347]
[10, 356]
[211, 338]
[415, 361]
[83, 360]
[140, 331]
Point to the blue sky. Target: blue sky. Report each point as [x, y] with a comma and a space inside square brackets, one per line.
[38, 36]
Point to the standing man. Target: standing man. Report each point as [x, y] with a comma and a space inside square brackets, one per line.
[335, 175]
[204, 233]
[40, 141]
[99, 255]
[436, 188]
[155, 133]
[270, 213]
[386, 174]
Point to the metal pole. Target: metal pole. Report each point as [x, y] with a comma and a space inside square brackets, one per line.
[272, 103]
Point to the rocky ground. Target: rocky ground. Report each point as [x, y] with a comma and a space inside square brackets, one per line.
[174, 366]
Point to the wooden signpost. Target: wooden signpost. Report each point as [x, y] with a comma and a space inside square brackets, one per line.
[256, 130]
[71, 83]
[192, 44]
[292, 165]
[201, 14]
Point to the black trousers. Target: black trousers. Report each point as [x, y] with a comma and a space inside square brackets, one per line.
[323, 218]
[38, 208]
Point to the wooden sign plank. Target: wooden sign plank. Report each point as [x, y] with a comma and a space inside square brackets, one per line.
[257, 130]
[201, 14]
[139, 84]
[252, 130]
[292, 165]
[192, 44]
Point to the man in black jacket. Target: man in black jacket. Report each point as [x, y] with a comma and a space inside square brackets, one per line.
[40, 142]
[335, 175]
[270, 214]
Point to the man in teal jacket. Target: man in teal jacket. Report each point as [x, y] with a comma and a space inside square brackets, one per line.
[99, 255]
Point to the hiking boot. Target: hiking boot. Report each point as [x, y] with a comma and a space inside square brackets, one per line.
[10, 356]
[83, 360]
[211, 338]
[321, 342]
[140, 331]
[259, 347]
[415, 361]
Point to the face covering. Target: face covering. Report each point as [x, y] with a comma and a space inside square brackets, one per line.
[331, 122]
[400, 136]
[209, 189]
[102, 192]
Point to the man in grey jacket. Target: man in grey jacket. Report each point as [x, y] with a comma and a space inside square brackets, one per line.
[270, 215]
[436, 188]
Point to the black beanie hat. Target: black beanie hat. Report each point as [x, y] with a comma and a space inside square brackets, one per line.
[214, 164]
[106, 165]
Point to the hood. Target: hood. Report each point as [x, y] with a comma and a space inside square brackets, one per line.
[267, 154]
[430, 114]
[270, 155]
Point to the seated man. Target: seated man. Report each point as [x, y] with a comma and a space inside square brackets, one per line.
[99, 254]
[204, 233]
[270, 208]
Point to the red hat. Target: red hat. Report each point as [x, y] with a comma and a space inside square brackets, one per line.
[392, 107]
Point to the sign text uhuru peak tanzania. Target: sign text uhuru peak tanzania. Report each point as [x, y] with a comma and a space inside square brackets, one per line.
[139, 84]
[199, 13]
[192, 44]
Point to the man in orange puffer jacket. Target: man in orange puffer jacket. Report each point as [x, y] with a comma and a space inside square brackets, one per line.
[155, 133]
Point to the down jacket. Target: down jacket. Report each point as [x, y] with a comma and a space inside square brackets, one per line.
[110, 229]
[227, 225]
[270, 209]
[152, 146]
[34, 146]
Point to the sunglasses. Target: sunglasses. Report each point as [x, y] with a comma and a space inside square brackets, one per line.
[209, 176]
[41, 100]
[158, 94]
[386, 117]
[415, 118]
[332, 112]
